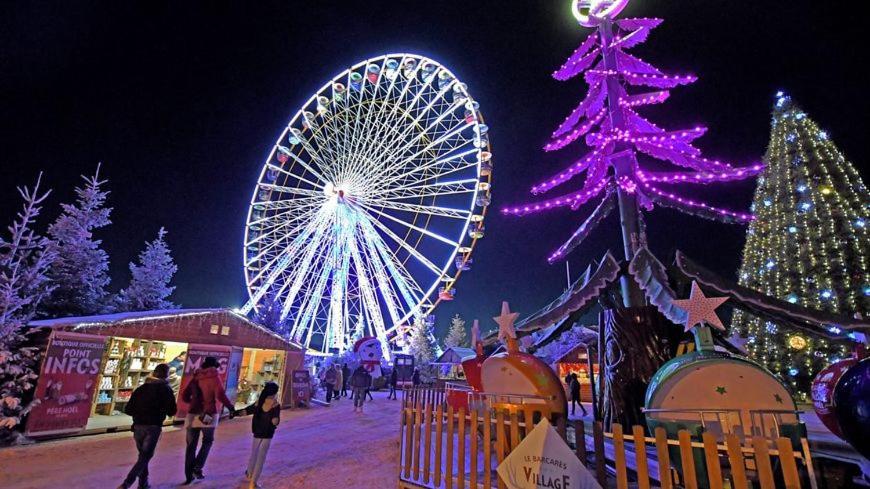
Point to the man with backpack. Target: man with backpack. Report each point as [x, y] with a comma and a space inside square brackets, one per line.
[360, 382]
[328, 378]
[149, 405]
[206, 397]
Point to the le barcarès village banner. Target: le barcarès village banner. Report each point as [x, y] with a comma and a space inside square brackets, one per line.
[544, 461]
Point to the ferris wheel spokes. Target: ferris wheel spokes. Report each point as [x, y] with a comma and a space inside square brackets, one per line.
[408, 248]
[395, 116]
[407, 287]
[431, 210]
[277, 266]
[449, 188]
[412, 226]
[435, 163]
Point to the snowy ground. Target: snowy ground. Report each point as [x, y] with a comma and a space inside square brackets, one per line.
[318, 447]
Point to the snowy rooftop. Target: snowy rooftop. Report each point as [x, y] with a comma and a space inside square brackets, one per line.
[124, 318]
[120, 317]
[455, 354]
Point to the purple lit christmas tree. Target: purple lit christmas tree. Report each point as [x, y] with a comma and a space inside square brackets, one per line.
[619, 84]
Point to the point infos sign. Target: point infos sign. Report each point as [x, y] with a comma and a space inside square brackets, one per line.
[70, 373]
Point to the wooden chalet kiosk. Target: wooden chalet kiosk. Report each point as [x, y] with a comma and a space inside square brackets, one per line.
[91, 365]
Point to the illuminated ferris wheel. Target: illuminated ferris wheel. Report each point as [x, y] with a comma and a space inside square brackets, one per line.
[370, 203]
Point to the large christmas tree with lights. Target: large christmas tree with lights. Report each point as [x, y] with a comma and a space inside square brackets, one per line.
[809, 244]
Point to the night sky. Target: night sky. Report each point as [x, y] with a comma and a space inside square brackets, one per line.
[181, 102]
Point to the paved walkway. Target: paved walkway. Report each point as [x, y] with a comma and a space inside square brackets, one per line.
[317, 447]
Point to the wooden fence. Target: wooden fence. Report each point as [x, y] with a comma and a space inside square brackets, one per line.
[446, 448]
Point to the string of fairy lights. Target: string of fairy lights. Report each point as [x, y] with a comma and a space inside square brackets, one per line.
[808, 245]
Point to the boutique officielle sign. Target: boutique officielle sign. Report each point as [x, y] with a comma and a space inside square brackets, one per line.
[544, 461]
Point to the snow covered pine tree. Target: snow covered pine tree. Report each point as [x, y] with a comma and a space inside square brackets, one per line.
[81, 270]
[268, 313]
[420, 346]
[149, 288]
[24, 260]
[456, 334]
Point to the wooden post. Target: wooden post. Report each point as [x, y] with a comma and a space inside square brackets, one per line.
[515, 431]
[402, 446]
[439, 426]
[738, 463]
[580, 438]
[808, 462]
[460, 470]
[762, 462]
[448, 466]
[472, 431]
[427, 445]
[711, 455]
[640, 457]
[409, 429]
[664, 458]
[786, 461]
[487, 449]
[688, 460]
[500, 441]
[600, 470]
[529, 421]
[418, 423]
[619, 456]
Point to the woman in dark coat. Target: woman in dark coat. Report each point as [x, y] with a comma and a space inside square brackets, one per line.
[574, 387]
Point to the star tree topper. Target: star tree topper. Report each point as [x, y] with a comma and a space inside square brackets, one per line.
[506, 331]
[701, 309]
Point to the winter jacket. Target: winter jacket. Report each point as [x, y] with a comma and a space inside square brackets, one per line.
[212, 392]
[345, 375]
[329, 376]
[575, 389]
[394, 377]
[361, 379]
[339, 378]
[261, 424]
[151, 402]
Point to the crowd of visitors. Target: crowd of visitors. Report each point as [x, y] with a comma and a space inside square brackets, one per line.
[154, 401]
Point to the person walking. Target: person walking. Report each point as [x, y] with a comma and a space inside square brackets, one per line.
[204, 394]
[328, 379]
[575, 395]
[267, 415]
[345, 376]
[359, 383]
[394, 379]
[149, 405]
[339, 381]
[415, 378]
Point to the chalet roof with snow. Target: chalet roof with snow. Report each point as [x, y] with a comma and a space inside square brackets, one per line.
[454, 355]
[208, 326]
[576, 354]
